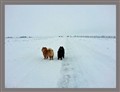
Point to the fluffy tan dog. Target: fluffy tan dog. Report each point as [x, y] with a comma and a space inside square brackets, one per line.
[50, 53]
[44, 50]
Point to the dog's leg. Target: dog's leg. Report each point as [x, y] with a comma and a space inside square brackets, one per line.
[49, 58]
[63, 55]
[52, 57]
[44, 57]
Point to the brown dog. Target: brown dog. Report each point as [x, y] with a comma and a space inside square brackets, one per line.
[44, 50]
[48, 53]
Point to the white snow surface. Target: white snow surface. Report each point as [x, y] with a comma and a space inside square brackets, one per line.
[88, 63]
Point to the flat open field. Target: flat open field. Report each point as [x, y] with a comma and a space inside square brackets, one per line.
[88, 63]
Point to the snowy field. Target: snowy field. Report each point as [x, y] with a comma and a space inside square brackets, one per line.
[88, 63]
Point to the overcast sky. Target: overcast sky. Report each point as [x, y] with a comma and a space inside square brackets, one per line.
[44, 20]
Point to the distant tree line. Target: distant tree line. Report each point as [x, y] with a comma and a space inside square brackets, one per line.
[85, 36]
[81, 36]
[19, 37]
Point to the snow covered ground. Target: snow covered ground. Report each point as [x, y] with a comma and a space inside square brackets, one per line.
[88, 63]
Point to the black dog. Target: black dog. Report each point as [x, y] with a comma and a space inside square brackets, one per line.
[61, 52]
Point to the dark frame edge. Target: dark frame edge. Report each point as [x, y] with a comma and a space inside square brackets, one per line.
[2, 49]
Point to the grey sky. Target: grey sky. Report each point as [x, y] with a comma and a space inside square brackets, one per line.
[37, 20]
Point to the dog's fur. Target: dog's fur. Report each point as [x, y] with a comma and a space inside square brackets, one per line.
[48, 53]
[44, 50]
[61, 52]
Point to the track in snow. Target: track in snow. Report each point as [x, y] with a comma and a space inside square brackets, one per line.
[87, 67]
[88, 63]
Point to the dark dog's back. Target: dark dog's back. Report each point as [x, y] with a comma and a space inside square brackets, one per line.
[61, 52]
